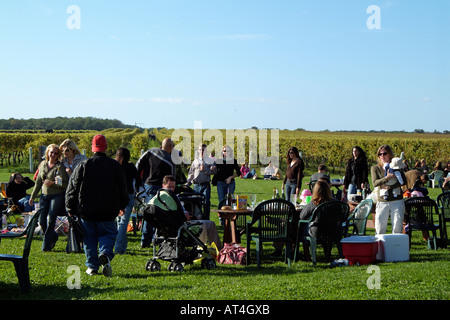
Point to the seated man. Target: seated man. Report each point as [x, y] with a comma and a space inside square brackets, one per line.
[321, 173]
[269, 171]
[416, 181]
[209, 234]
[17, 189]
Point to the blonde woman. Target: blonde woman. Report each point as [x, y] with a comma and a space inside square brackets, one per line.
[390, 205]
[51, 181]
[70, 155]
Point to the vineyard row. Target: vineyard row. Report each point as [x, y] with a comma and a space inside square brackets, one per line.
[329, 148]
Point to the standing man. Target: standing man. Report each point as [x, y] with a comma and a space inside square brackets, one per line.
[153, 166]
[96, 193]
[200, 174]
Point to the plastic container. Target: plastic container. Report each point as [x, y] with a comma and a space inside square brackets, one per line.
[393, 247]
[360, 249]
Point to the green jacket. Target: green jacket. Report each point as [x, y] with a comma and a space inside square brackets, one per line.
[45, 173]
[379, 179]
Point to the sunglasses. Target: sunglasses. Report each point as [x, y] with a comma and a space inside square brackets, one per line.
[382, 153]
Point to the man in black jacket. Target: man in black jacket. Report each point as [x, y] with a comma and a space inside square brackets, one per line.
[153, 166]
[96, 193]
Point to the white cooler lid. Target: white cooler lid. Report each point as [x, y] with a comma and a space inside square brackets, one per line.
[359, 239]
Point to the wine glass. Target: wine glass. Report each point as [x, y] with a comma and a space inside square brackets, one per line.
[253, 200]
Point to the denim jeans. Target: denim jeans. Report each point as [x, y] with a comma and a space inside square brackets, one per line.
[147, 230]
[99, 238]
[205, 189]
[122, 226]
[352, 189]
[25, 205]
[52, 206]
[223, 188]
[289, 188]
[250, 174]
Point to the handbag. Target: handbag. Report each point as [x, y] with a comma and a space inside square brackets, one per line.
[232, 253]
[75, 235]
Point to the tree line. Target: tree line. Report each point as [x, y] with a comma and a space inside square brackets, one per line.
[62, 123]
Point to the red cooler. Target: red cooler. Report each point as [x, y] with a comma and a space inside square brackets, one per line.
[360, 249]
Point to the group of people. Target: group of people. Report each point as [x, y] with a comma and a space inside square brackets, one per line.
[101, 190]
[271, 172]
[51, 179]
[383, 178]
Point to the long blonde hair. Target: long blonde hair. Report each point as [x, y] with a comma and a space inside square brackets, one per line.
[69, 144]
[49, 147]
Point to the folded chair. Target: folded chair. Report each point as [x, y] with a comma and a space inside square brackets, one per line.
[21, 261]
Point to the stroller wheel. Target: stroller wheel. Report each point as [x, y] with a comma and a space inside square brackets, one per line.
[178, 267]
[153, 265]
[171, 266]
[208, 263]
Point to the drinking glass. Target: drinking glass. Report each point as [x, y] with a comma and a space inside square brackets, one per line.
[253, 200]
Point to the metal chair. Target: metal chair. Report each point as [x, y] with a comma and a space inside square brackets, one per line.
[443, 202]
[270, 223]
[419, 215]
[329, 220]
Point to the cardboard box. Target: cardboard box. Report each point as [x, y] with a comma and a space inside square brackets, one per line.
[393, 247]
[360, 249]
[241, 202]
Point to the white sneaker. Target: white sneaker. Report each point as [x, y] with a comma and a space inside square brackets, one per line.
[106, 263]
[91, 271]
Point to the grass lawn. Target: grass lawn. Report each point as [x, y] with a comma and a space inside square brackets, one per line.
[424, 277]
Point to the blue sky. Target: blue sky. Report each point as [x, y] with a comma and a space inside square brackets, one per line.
[283, 64]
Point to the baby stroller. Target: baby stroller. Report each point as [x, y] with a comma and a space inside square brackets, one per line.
[192, 201]
[175, 239]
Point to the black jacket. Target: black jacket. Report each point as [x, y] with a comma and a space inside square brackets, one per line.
[18, 191]
[97, 189]
[154, 165]
[356, 172]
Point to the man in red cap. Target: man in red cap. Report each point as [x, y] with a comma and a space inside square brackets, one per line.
[96, 193]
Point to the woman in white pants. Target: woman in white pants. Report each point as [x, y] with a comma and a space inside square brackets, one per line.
[391, 204]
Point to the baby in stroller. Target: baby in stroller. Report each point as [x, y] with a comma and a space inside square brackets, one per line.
[179, 239]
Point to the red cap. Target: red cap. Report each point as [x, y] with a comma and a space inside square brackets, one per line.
[99, 143]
